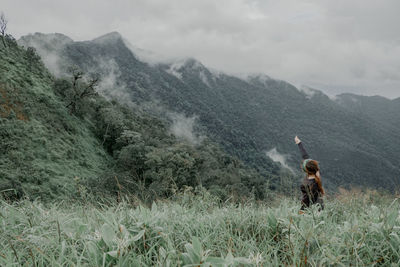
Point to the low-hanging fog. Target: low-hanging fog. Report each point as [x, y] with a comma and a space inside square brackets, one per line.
[337, 46]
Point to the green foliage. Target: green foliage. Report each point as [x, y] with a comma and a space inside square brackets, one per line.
[148, 158]
[355, 229]
[78, 92]
[61, 139]
[42, 147]
[195, 256]
[248, 117]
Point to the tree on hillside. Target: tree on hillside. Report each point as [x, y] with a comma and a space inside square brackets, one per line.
[80, 90]
[3, 28]
[32, 57]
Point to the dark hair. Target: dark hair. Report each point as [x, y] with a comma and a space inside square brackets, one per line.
[312, 168]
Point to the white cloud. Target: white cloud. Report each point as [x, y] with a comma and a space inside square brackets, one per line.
[309, 92]
[183, 128]
[204, 78]
[50, 56]
[110, 85]
[338, 46]
[278, 157]
[174, 69]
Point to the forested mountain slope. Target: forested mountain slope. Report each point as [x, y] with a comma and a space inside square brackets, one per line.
[43, 148]
[382, 110]
[60, 138]
[247, 116]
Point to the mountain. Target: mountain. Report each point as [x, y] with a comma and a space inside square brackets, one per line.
[61, 139]
[248, 116]
[380, 109]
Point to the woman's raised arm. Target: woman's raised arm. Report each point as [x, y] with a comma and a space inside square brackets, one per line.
[303, 152]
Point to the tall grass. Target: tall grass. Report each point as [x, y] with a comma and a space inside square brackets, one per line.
[355, 229]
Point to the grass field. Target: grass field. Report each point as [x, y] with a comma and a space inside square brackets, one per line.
[355, 229]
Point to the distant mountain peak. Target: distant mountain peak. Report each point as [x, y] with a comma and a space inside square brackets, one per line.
[312, 92]
[48, 36]
[188, 63]
[55, 39]
[260, 76]
[109, 37]
[177, 67]
[308, 91]
[193, 63]
[255, 78]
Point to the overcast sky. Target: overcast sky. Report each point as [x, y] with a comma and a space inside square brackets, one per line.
[333, 45]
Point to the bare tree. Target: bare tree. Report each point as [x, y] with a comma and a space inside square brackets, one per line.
[3, 28]
[81, 90]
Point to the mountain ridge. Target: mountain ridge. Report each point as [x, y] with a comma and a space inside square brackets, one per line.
[249, 119]
[61, 139]
[115, 36]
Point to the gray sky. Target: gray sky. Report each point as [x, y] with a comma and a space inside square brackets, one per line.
[337, 46]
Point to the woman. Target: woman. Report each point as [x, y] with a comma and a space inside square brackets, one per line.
[311, 188]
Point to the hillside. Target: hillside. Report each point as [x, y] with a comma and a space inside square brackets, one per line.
[61, 139]
[383, 111]
[246, 116]
[43, 148]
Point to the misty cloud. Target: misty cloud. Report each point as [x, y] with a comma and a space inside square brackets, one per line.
[337, 46]
[183, 128]
[49, 51]
[110, 85]
[174, 69]
[309, 92]
[278, 157]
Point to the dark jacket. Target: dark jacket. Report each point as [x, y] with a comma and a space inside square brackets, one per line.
[309, 188]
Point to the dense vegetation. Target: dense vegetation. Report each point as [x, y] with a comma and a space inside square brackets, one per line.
[197, 229]
[382, 110]
[248, 117]
[59, 134]
[130, 193]
[43, 148]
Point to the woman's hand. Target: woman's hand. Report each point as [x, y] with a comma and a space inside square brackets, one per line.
[297, 140]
